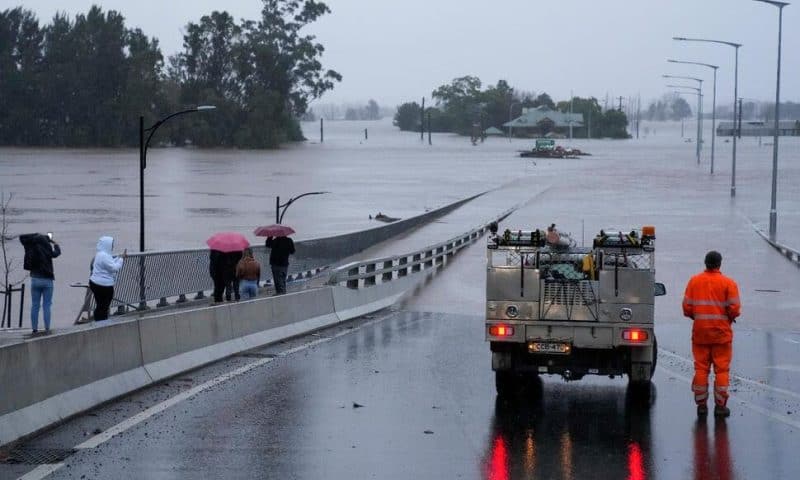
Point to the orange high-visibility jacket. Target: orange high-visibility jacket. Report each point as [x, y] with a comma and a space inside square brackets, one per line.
[712, 301]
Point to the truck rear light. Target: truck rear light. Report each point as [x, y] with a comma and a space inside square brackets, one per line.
[634, 335]
[501, 331]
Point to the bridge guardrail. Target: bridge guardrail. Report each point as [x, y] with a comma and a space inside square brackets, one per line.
[371, 272]
[787, 252]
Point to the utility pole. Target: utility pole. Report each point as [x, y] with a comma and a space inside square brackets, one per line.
[620, 103]
[422, 121]
[571, 96]
[429, 128]
[638, 113]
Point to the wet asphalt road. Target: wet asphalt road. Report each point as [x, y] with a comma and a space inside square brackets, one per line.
[409, 393]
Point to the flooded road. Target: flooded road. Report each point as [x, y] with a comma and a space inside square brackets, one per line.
[410, 393]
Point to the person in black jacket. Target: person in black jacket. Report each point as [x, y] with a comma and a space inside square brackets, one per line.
[222, 268]
[40, 250]
[216, 268]
[280, 249]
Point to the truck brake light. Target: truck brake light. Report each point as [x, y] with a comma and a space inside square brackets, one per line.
[501, 331]
[633, 335]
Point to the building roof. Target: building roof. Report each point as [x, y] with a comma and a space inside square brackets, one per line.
[532, 116]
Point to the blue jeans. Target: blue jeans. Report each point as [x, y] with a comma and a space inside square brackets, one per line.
[248, 288]
[41, 292]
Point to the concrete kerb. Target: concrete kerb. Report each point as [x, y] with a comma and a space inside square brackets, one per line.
[49, 379]
[791, 254]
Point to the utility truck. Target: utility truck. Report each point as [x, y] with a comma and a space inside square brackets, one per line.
[558, 309]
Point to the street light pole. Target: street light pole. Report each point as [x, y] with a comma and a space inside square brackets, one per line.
[735, 97]
[773, 211]
[699, 109]
[713, 104]
[510, 127]
[280, 213]
[143, 144]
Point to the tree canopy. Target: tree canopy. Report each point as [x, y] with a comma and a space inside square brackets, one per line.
[85, 81]
[462, 104]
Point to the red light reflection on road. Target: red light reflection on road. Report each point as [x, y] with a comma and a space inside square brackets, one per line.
[498, 462]
[635, 462]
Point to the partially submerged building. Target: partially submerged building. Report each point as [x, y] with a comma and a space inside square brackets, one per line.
[759, 128]
[541, 120]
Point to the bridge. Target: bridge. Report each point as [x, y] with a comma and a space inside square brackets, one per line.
[379, 368]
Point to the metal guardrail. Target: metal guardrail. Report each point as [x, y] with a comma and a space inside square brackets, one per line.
[372, 272]
[787, 252]
[157, 277]
[176, 274]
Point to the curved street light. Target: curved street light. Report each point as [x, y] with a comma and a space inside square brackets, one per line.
[773, 210]
[699, 110]
[143, 144]
[280, 213]
[735, 96]
[713, 104]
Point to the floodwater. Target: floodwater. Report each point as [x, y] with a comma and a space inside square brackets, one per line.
[190, 194]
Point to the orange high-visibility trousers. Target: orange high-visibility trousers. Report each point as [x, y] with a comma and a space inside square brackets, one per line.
[705, 355]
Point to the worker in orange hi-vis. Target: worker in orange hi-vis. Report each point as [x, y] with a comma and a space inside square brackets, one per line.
[712, 301]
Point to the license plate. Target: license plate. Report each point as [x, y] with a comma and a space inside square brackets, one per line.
[549, 347]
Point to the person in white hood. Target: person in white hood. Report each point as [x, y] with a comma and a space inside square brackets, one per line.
[104, 274]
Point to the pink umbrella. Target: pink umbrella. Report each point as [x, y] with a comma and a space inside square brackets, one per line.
[274, 230]
[228, 242]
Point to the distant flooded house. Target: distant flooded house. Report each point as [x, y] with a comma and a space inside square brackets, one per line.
[540, 121]
[758, 128]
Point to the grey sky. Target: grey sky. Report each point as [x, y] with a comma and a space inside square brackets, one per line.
[400, 50]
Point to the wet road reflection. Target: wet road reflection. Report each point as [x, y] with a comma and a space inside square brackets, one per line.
[559, 431]
[712, 457]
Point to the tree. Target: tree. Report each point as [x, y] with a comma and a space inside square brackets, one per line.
[9, 263]
[407, 117]
[372, 111]
[461, 100]
[614, 124]
[591, 111]
[544, 100]
[680, 109]
[85, 82]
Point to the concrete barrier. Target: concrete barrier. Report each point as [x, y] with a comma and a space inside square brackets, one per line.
[49, 379]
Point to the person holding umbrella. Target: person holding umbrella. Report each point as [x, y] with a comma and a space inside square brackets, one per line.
[281, 246]
[225, 252]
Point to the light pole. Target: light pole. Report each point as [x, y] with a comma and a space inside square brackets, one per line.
[280, 213]
[143, 144]
[713, 104]
[510, 127]
[685, 93]
[735, 97]
[699, 109]
[773, 211]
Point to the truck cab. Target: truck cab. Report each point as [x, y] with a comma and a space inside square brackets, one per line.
[553, 308]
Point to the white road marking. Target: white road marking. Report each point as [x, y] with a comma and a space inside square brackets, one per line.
[775, 416]
[43, 471]
[787, 368]
[748, 381]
